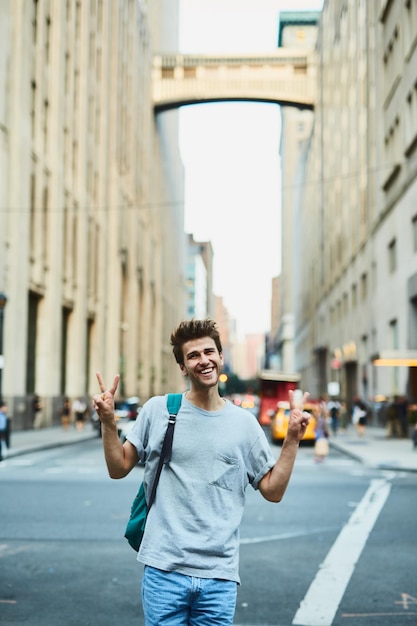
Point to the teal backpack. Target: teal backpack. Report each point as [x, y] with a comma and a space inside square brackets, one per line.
[139, 511]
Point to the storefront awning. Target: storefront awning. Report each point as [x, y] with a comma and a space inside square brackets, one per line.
[396, 358]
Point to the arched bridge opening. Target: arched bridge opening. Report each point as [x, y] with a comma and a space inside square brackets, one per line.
[175, 104]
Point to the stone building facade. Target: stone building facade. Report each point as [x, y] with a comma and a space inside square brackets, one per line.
[297, 30]
[357, 276]
[91, 201]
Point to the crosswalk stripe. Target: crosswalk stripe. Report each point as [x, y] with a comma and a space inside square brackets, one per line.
[328, 587]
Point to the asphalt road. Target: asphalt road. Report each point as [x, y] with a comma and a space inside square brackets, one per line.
[340, 550]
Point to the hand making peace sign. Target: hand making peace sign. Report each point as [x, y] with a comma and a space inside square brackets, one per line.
[299, 418]
[104, 402]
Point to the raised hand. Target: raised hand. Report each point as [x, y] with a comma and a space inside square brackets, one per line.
[299, 418]
[104, 402]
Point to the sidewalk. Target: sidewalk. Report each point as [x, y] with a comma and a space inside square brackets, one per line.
[375, 451]
[26, 441]
[372, 450]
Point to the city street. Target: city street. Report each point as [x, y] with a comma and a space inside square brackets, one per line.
[63, 558]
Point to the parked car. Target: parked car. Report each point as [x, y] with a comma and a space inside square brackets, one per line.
[125, 412]
[128, 408]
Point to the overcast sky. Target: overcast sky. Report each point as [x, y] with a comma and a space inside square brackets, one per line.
[231, 158]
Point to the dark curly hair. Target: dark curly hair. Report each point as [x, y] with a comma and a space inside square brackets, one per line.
[193, 329]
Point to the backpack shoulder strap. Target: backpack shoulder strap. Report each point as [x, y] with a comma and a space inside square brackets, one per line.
[174, 403]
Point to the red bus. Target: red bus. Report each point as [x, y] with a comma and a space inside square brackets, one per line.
[273, 388]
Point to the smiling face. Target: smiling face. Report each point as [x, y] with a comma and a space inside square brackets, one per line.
[202, 363]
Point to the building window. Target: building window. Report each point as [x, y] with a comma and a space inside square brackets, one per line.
[394, 334]
[33, 107]
[32, 214]
[410, 25]
[414, 232]
[35, 24]
[47, 38]
[345, 304]
[374, 275]
[45, 222]
[410, 119]
[395, 345]
[167, 72]
[33, 314]
[364, 286]
[392, 256]
[45, 123]
[354, 295]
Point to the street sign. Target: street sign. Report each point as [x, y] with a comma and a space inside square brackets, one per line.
[333, 388]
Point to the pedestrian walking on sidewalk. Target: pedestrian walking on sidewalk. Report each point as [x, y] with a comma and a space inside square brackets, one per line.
[321, 446]
[393, 420]
[402, 408]
[359, 415]
[333, 408]
[3, 427]
[37, 411]
[79, 408]
[8, 436]
[66, 414]
[190, 547]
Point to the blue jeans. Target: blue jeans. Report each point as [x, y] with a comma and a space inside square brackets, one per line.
[172, 599]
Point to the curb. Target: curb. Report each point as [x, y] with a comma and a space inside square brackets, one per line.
[377, 466]
[343, 450]
[44, 446]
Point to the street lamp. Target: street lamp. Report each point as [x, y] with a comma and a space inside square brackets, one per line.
[223, 378]
[3, 300]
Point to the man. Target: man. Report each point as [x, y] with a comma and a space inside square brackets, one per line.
[190, 545]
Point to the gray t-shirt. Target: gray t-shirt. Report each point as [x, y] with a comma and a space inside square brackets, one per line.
[193, 525]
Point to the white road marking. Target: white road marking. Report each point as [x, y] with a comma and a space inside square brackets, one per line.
[328, 587]
[287, 535]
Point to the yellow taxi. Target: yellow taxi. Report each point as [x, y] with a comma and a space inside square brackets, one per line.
[279, 423]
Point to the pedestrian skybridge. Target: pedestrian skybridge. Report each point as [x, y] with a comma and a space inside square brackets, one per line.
[285, 76]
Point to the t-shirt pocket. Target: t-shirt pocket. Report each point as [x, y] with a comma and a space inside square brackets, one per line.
[225, 472]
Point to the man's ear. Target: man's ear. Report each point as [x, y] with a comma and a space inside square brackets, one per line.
[183, 370]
